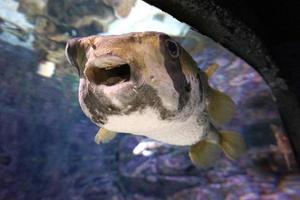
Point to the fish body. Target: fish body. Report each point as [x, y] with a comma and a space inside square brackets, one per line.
[146, 84]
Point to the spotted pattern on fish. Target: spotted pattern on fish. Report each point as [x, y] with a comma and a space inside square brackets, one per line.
[98, 112]
[146, 97]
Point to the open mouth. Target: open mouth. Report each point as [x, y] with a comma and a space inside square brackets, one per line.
[110, 75]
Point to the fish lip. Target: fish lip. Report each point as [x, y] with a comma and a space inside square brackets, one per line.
[106, 61]
[109, 71]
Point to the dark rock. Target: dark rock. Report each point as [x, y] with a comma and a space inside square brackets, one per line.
[290, 186]
[272, 196]
[142, 197]
[145, 175]
[199, 193]
[248, 196]
[177, 163]
[5, 160]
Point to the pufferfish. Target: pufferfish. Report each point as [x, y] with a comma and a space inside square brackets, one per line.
[145, 83]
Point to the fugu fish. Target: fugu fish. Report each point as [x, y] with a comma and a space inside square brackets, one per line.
[145, 83]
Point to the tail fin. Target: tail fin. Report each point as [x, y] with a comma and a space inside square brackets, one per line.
[220, 106]
[204, 154]
[232, 144]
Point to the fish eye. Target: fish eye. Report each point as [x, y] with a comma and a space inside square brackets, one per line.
[173, 48]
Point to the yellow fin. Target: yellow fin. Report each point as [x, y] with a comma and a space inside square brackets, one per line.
[204, 153]
[220, 106]
[210, 70]
[232, 144]
[104, 136]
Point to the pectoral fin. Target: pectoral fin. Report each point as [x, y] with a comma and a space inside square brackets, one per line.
[220, 106]
[204, 153]
[210, 70]
[104, 136]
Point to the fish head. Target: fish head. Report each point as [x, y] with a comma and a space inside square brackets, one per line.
[120, 74]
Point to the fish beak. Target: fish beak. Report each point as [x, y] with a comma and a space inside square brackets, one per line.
[108, 70]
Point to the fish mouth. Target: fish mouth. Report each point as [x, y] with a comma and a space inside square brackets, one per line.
[108, 71]
[109, 76]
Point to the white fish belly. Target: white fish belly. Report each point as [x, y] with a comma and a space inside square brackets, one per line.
[148, 123]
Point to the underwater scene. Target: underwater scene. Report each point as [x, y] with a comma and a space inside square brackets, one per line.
[48, 148]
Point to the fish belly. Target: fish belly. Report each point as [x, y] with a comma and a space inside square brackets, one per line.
[148, 123]
[181, 136]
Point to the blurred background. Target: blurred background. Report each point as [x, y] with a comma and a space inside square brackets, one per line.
[47, 148]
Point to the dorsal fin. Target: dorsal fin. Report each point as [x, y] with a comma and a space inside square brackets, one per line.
[210, 70]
